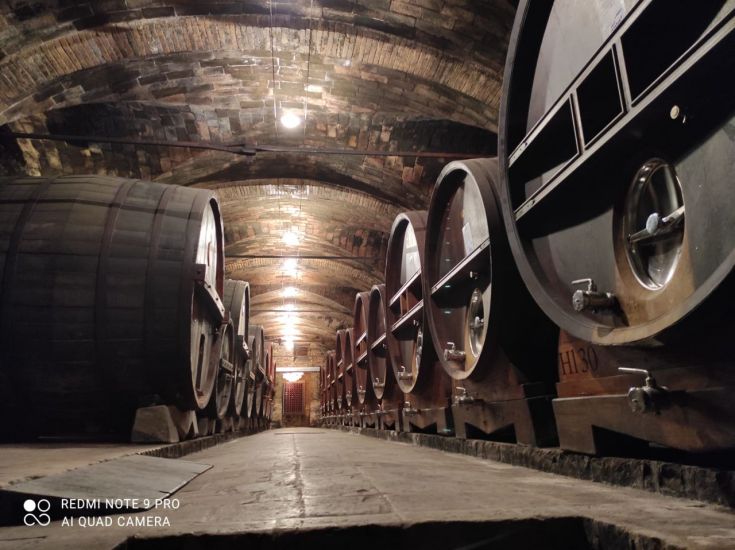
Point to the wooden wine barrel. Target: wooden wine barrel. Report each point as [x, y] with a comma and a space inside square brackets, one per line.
[236, 300]
[340, 400]
[384, 383]
[120, 280]
[332, 379]
[262, 392]
[270, 403]
[493, 340]
[616, 158]
[367, 402]
[258, 349]
[348, 371]
[257, 370]
[271, 367]
[257, 416]
[224, 385]
[427, 387]
[267, 361]
[247, 408]
[359, 351]
[270, 393]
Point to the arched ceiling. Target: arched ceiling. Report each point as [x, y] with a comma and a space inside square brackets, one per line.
[307, 230]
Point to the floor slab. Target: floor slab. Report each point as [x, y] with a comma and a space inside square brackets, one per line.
[305, 478]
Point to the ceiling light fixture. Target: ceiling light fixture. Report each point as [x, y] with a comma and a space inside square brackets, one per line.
[293, 376]
[290, 292]
[290, 120]
[291, 267]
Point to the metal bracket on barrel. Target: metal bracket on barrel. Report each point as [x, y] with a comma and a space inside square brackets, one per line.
[209, 293]
[227, 366]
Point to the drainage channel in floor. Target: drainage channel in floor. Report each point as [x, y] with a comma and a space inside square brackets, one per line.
[563, 533]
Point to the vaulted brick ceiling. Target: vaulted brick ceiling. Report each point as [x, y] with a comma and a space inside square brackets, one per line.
[383, 75]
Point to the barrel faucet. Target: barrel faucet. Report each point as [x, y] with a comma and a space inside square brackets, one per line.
[408, 410]
[451, 353]
[403, 375]
[647, 398]
[378, 384]
[591, 298]
[464, 398]
[361, 391]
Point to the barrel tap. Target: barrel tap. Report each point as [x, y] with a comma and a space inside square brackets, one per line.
[647, 398]
[451, 353]
[408, 410]
[464, 398]
[591, 298]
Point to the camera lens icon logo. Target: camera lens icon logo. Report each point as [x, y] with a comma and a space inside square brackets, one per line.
[36, 512]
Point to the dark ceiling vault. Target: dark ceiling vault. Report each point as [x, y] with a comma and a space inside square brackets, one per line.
[307, 230]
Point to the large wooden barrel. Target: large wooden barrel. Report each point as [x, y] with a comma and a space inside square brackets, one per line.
[339, 388]
[258, 371]
[236, 300]
[616, 160]
[323, 386]
[348, 370]
[219, 403]
[367, 402]
[383, 381]
[264, 388]
[270, 391]
[110, 299]
[247, 407]
[427, 387]
[332, 379]
[493, 340]
[607, 137]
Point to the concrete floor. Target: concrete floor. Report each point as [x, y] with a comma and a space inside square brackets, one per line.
[301, 477]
